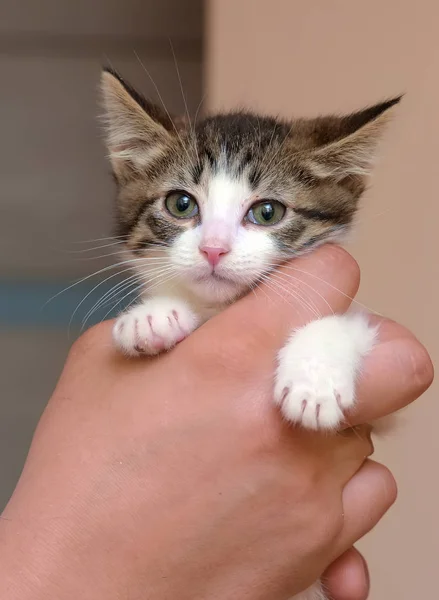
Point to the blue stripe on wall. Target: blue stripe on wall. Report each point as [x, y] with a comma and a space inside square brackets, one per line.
[27, 304]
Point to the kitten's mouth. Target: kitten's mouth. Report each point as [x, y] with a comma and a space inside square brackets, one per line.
[213, 276]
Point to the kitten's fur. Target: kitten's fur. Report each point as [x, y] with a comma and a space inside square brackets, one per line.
[194, 267]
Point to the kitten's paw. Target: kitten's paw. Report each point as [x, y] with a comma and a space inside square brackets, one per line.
[155, 325]
[315, 381]
[314, 394]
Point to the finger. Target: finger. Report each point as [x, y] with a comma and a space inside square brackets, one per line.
[338, 456]
[366, 498]
[351, 448]
[348, 577]
[397, 371]
[319, 284]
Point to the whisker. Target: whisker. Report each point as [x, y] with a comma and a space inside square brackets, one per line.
[118, 288]
[255, 287]
[157, 244]
[269, 284]
[301, 296]
[368, 218]
[116, 243]
[112, 300]
[276, 285]
[87, 277]
[179, 80]
[151, 258]
[141, 286]
[353, 300]
[109, 295]
[302, 300]
[289, 277]
[198, 110]
[91, 292]
[272, 134]
[103, 239]
[170, 276]
[163, 104]
[281, 145]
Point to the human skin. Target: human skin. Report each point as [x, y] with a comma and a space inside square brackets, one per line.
[177, 478]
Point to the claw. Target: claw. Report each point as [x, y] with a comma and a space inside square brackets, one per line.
[317, 413]
[285, 393]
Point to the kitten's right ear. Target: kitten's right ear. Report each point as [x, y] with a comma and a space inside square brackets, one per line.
[137, 130]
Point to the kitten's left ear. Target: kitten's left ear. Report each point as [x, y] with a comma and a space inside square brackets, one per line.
[347, 146]
[137, 130]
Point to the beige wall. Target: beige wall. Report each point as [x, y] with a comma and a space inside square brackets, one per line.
[306, 57]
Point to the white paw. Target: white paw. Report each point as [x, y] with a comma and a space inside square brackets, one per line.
[314, 394]
[315, 380]
[155, 325]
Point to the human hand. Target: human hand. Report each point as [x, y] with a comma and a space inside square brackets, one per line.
[177, 476]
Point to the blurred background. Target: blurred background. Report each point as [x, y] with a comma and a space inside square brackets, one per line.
[290, 58]
[56, 191]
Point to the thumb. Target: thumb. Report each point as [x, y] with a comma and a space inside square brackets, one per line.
[309, 287]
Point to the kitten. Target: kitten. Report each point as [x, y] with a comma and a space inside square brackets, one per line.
[217, 207]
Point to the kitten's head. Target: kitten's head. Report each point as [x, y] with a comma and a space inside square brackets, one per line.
[221, 202]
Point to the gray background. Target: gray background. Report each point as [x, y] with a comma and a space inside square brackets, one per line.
[55, 188]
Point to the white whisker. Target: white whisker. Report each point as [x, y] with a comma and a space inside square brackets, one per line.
[281, 145]
[198, 110]
[109, 295]
[333, 287]
[151, 258]
[103, 239]
[255, 287]
[184, 100]
[299, 294]
[274, 285]
[91, 291]
[121, 286]
[141, 286]
[289, 277]
[116, 243]
[163, 104]
[118, 288]
[87, 277]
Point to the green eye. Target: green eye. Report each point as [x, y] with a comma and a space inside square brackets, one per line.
[181, 205]
[266, 212]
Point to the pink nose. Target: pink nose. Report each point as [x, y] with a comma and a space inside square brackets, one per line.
[213, 255]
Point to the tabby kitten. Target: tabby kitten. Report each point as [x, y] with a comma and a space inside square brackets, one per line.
[220, 205]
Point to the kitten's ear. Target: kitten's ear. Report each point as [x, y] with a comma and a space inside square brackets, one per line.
[137, 130]
[347, 146]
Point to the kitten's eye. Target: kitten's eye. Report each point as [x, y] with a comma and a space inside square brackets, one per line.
[181, 205]
[266, 212]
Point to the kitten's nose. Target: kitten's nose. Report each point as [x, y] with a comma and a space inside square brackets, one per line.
[213, 255]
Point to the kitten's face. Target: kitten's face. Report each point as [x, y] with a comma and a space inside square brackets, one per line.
[225, 246]
[216, 207]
